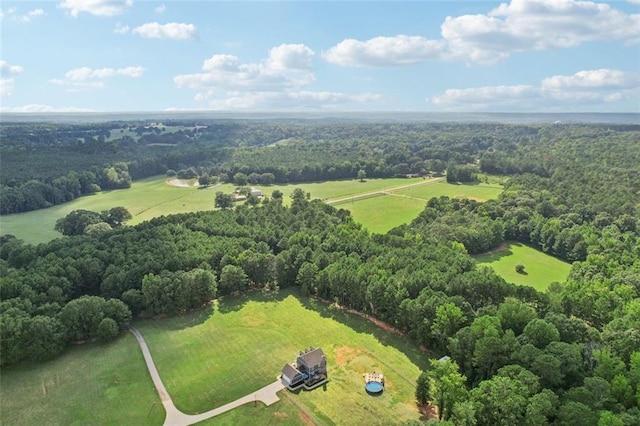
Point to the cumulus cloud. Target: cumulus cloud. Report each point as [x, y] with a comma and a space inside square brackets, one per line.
[517, 26]
[172, 30]
[592, 87]
[288, 66]
[385, 51]
[88, 78]
[592, 79]
[280, 81]
[160, 9]
[7, 74]
[96, 7]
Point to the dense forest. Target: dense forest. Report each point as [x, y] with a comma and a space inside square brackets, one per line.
[567, 356]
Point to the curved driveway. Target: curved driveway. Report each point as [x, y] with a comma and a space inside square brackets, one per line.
[175, 417]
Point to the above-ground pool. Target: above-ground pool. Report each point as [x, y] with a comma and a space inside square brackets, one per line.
[374, 387]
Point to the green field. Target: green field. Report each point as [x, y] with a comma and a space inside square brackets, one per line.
[540, 268]
[209, 357]
[152, 197]
[88, 384]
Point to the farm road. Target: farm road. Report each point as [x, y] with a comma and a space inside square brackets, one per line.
[384, 191]
[175, 417]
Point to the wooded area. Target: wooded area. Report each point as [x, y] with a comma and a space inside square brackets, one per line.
[518, 356]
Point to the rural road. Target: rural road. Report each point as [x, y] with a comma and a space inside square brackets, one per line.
[383, 191]
[175, 417]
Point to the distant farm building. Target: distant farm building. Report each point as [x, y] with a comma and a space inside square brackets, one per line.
[309, 370]
[256, 192]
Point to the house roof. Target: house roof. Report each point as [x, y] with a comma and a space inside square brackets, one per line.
[289, 371]
[312, 356]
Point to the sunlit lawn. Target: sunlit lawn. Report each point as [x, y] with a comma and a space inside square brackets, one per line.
[207, 360]
[94, 384]
[213, 356]
[540, 268]
[480, 191]
[152, 197]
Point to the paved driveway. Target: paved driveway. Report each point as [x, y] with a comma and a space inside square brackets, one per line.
[174, 417]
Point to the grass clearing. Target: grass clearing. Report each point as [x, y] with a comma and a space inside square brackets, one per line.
[152, 197]
[88, 384]
[479, 191]
[540, 268]
[215, 355]
[211, 357]
[145, 200]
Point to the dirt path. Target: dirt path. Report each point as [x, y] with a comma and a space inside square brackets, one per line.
[383, 191]
[174, 417]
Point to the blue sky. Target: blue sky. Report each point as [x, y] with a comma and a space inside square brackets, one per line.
[134, 55]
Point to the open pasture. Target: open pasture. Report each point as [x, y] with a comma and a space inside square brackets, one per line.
[479, 191]
[391, 202]
[540, 269]
[88, 384]
[146, 199]
[214, 356]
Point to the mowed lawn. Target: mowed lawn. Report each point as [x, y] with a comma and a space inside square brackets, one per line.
[540, 269]
[401, 205]
[211, 357]
[152, 197]
[95, 384]
[146, 199]
[479, 191]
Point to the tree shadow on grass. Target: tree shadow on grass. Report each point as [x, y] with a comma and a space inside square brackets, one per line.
[235, 302]
[178, 321]
[496, 254]
[400, 342]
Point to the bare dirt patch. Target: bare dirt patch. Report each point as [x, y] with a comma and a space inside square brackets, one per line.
[429, 411]
[280, 415]
[181, 183]
[345, 353]
[306, 419]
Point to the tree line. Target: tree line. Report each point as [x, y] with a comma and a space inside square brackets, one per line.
[516, 356]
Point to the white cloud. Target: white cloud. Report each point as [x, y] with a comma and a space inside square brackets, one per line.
[38, 108]
[12, 13]
[172, 30]
[288, 101]
[7, 72]
[96, 7]
[279, 81]
[160, 9]
[35, 13]
[288, 66]
[385, 51]
[121, 29]
[88, 78]
[593, 79]
[518, 26]
[589, 87]
[290, 56]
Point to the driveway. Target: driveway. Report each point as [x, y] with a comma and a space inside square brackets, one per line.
[175, 417]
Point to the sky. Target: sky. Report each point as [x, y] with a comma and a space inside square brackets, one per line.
[432, 56]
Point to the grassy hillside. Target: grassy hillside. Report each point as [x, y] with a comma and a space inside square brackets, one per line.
[89, 384]
[540, 268]
[152, 197]
[207, 359]
[212, 356]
